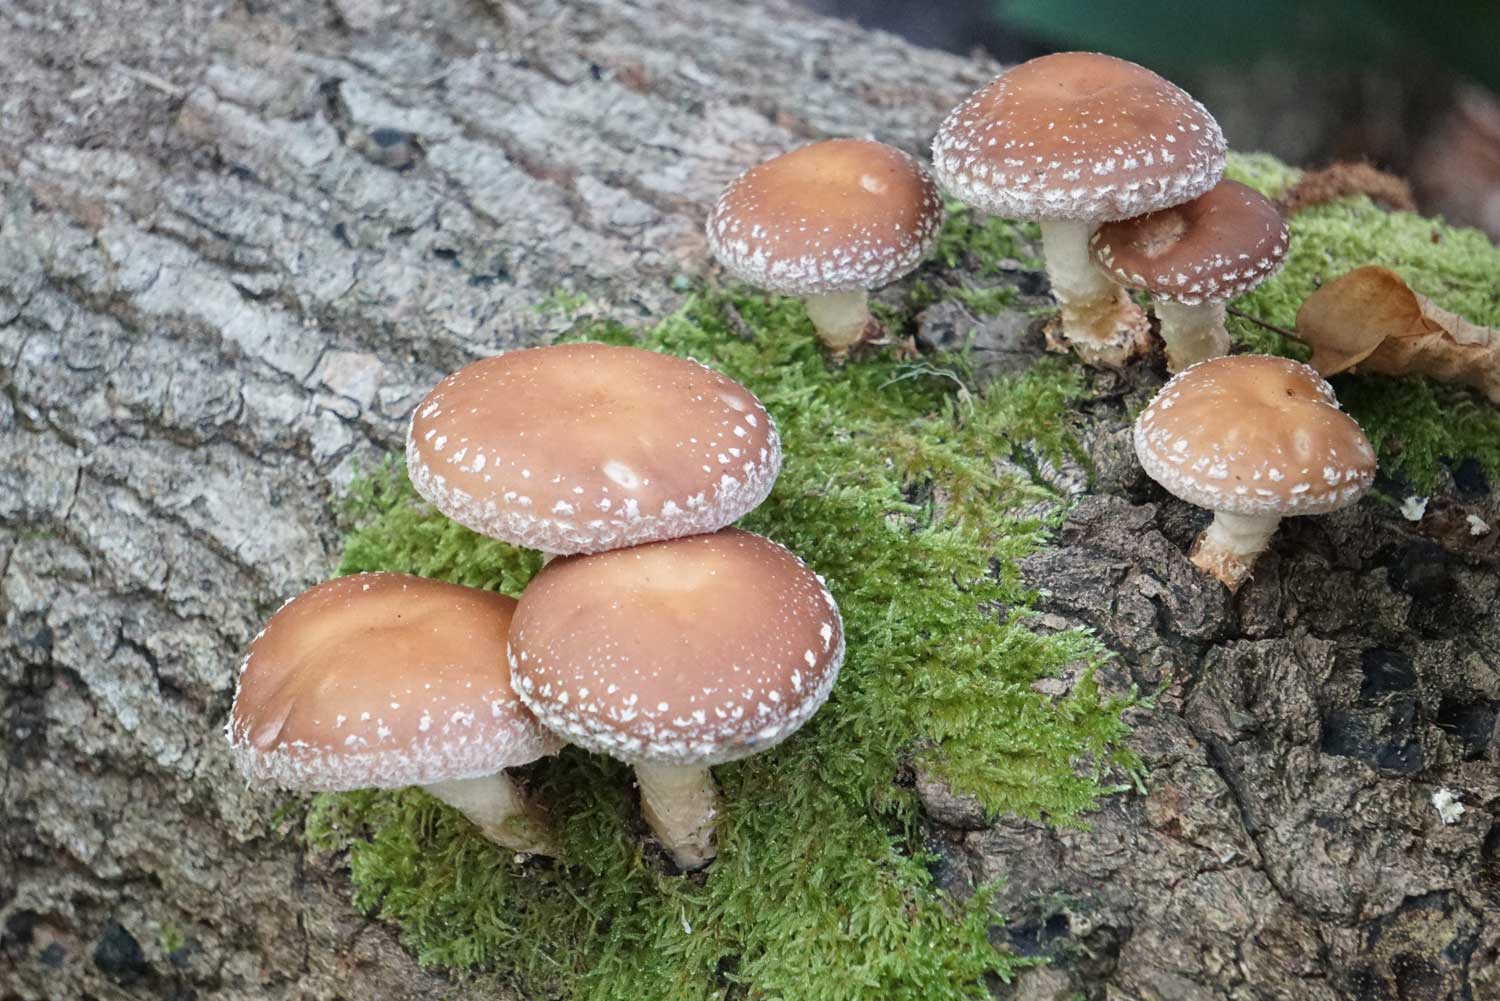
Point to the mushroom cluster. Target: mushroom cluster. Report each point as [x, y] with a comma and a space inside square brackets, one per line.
[1120, 169]
[659, 635]
[655, 633]
[1123, 173]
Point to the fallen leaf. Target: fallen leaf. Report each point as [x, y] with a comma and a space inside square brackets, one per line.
[1371, 318]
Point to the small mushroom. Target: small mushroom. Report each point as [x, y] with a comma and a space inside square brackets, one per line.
[828, 222]
[579, 448]
[676, 656]
[385, 680]
[1071, 140]
[1254, 439]
[1193, 258]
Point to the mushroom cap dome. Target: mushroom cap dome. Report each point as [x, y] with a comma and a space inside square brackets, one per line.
[694, 651]
[1257, 435]
[1080, 136]
[835, 216]
[382, 680]
[1214, 248]
[586, 447]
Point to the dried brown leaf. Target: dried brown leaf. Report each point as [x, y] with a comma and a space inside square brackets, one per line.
[1349, 317]
[1370, 316]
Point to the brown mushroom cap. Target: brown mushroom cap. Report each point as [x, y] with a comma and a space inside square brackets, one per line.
[586, 447]
[694, 651]
[1252, 434]
[1078, 135]
[1214, 248]
[382, 680]
[835, 216]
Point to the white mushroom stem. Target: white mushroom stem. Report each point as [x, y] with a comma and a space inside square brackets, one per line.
[1192, 333]
[1228, 548]
[680, 802]
[840, 318]
[499, 810]
[1099, 320]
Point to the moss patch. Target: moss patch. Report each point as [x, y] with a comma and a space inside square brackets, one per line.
[822, 889]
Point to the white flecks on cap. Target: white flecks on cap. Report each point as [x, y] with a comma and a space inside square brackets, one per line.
[1078, 136]
[693, 651]
[834, 216]
[1215, 248]
[1250, 434]
[590, 447]
[381, 680]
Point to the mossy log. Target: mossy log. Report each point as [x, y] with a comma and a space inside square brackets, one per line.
[238, 243]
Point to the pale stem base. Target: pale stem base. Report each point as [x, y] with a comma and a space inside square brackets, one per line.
[841, 318]
[680, 802]
[499, 810]
[1192, 333]
[1099, 320]
[1229, 547]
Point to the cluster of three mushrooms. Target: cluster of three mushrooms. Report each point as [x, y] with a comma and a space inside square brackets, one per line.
[664, 640]
[1070, 141]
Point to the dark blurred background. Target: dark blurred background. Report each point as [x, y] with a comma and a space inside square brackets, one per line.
[1409, 87]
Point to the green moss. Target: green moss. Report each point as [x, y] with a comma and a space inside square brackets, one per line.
[822, 889]
[980, 243]
[1414, 423]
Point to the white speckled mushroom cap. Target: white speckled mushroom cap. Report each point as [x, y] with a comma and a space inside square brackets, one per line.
[690, 652]
[581, 448]
[835, 216]
[1214, 248]
[382, 680]
[1252, 434]
[1081, 136]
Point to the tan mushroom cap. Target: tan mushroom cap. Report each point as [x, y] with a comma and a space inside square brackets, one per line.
[1252, 434]
[1078, 135]
[835, 216]
[1216, 247]
[694, 651]
[382, 680]
[587, 447]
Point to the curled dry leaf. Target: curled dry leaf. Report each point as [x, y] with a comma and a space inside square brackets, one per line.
[1371, 318]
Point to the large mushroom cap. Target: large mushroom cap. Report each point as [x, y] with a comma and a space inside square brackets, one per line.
[382, 680]
[1078, 135]
[835, 216]
[1251, 434]
[1216, 247]
[694, 651]
[586, 447]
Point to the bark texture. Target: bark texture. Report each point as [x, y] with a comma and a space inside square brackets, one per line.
[238, 241]
[1295, 839]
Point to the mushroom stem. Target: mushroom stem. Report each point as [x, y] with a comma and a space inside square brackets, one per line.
[840, 318]
[1099, 320]
[1192, 333]
[499, 810]
[1229, 547]
[680, 802]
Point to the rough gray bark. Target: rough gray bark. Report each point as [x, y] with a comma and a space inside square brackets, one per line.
[239, 240]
